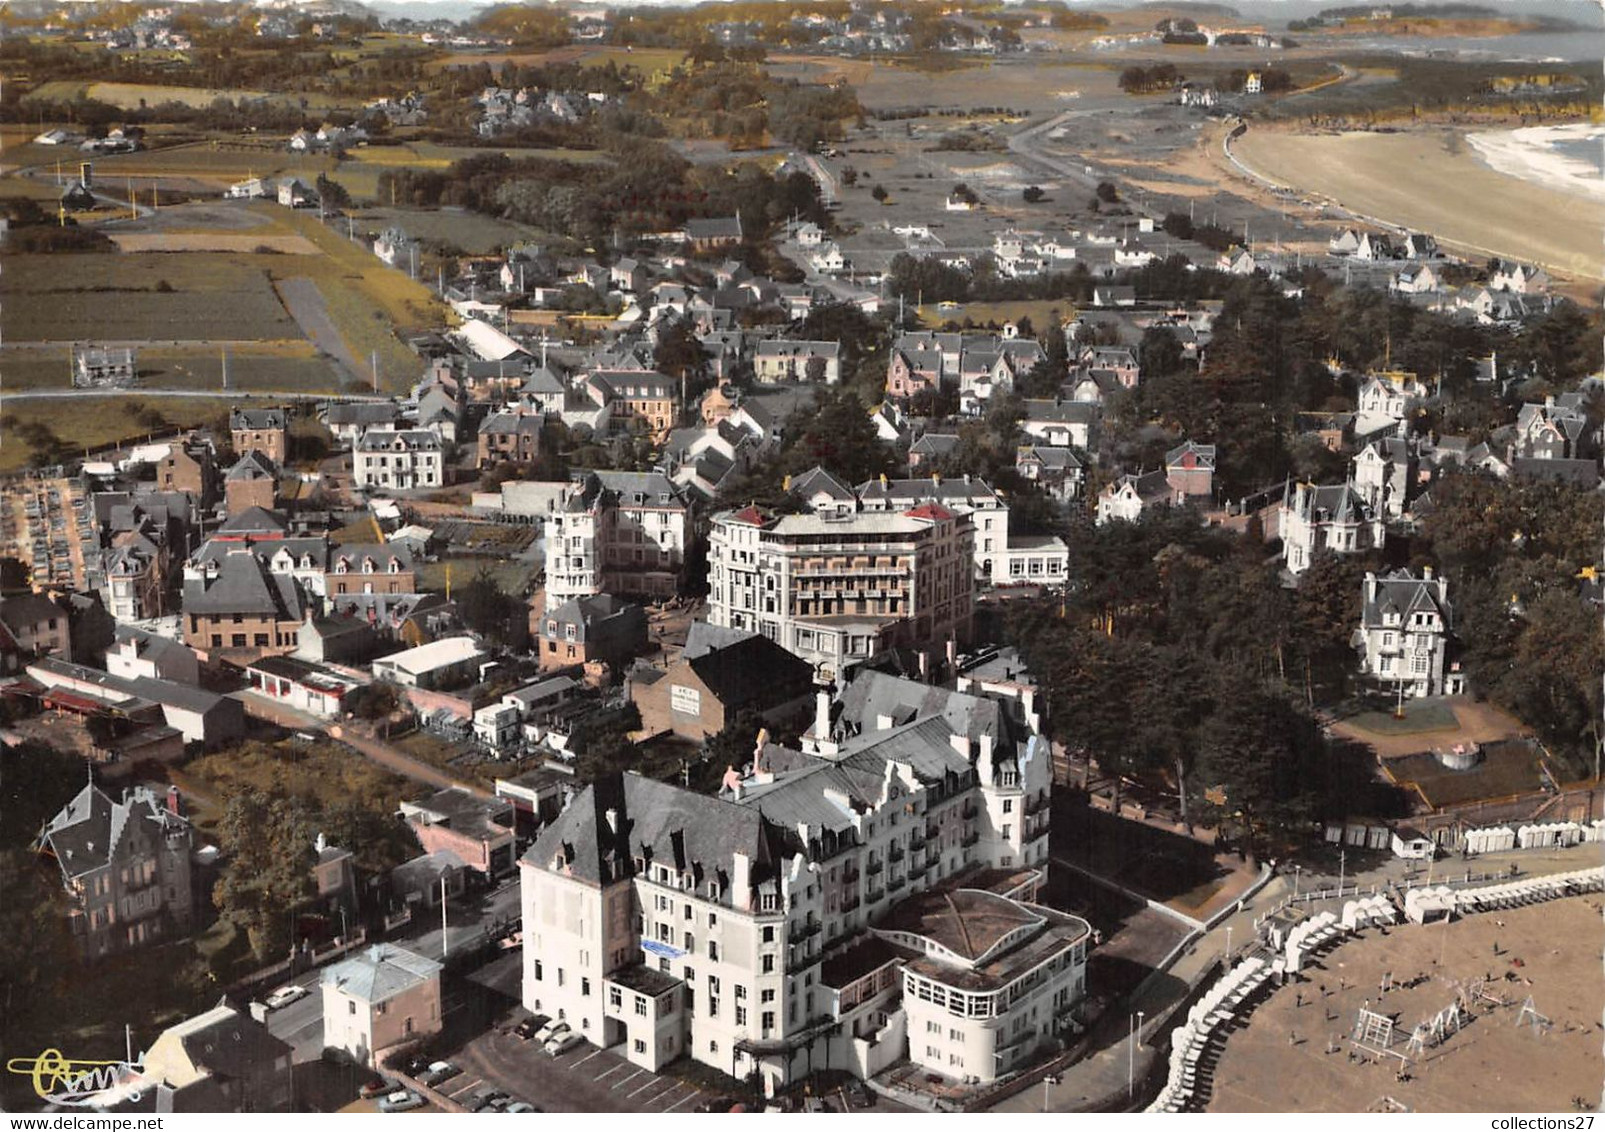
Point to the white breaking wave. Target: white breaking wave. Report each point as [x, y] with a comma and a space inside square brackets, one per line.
[1530, 153]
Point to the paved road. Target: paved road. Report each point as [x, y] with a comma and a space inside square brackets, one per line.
[304, 301]
[1024, 147]
[391, 758]
[230, 395]
[1104, 1072]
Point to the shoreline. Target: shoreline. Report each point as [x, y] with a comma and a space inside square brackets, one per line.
[1431, 180]
[1528, 154]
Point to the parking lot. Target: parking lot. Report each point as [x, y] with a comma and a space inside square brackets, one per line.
[48, 524]
[586, 1079]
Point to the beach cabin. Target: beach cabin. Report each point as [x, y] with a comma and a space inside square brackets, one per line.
[1410, 844]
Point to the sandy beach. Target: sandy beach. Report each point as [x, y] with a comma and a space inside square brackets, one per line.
[1280, 1063]
[1432, 180]
[1530, 154]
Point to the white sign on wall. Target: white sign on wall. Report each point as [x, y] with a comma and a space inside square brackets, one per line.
[686, 701]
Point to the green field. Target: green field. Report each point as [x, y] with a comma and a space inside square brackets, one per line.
[1419, 717]
[288, 367]
[92, 422]
[359, 170]
[366, 299]
[222, 164]
[1040, 312]
[115, 297]
[221, 298]
[470, 232]
[136, 96]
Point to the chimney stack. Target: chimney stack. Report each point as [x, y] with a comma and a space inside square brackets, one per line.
[85, 169]
[740, 881]
[175, 804]
[612, 816]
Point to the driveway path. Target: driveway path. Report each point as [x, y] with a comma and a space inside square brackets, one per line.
[304, 301]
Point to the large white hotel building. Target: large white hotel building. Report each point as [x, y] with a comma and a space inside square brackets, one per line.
[866, 899]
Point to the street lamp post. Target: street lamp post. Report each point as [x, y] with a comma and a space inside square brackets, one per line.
[1134, 1024]
[1297, 869]
[1050, 1079]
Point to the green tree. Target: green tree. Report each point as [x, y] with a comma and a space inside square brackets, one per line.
[681, 355]
[267, 839]
[38, 958]
[492, 613]
[840, 437]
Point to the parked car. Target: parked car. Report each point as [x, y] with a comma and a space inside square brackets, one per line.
[549, 1031]
[562, 1043]
[528, 1028]
[479, 1102]
[521, 1106]
[401, 1101]
[438, 1072]
[859, 1096]
[285, 995]
[375, 1087]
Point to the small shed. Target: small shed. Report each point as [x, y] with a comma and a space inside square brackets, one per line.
[1411, 844]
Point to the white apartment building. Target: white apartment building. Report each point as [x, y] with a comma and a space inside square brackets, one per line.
[1405, 625]
[771, 930]
[398, 460]
[999, 560]
[837, 588]
[623, 533]
[1326, 516]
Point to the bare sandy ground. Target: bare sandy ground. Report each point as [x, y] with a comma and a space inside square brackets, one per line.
[1492, 1065]
[1430, 180]
[1479, 723]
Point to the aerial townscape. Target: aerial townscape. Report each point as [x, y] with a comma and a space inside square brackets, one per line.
[855, 556]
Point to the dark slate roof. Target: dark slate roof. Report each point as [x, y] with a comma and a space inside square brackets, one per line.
[586, 613]
[935, 443]
[84, 834]
[244, 585]
[817, 480]
[361, 413]
[252, 466]
[1066, 412]
[658, 822]
[714, 228]
[244, 419]
[233, 1045]
[703, 638]
[1204, 452]
[1582, 473]
[1403, 593]
[874, 694]
[754, 670]
[253, 520]
[1339, 502]
[26, 610]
